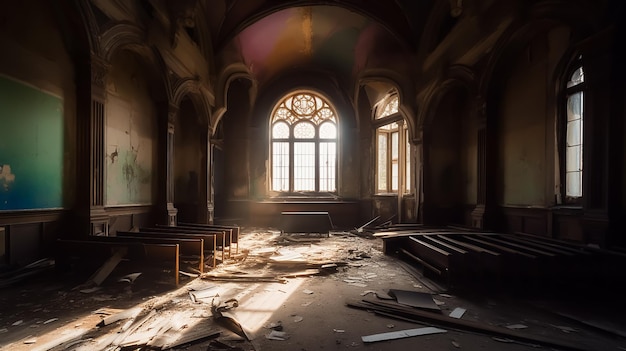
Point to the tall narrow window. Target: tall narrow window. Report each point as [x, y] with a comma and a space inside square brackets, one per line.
[392, 148]
[304, 145]
[574, 135]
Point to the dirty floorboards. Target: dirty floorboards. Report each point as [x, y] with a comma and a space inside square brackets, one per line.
[297, 292]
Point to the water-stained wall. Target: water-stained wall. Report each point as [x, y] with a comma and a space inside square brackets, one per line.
[130, 133]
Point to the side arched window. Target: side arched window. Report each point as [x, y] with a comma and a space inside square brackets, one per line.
[573, 133]
[392, 147]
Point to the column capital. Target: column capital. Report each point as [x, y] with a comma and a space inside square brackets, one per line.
[99, 70]
[481, 111]
[172, 114]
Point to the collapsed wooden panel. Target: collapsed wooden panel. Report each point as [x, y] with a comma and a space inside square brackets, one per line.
[458, 255]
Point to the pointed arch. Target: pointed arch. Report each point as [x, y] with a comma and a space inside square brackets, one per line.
[230, 74]
[405, 104]
[121, 35]
[457, 76]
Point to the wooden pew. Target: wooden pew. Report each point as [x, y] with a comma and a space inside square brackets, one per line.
[223, 235]
[236, 231]
[187, 247]
[227, 232]
[98, 252]
[209, 240]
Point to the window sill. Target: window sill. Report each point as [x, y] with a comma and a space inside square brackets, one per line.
[304, 199]
[567, 209]
[392, 195]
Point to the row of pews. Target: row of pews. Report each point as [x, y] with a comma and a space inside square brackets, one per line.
[160, 246]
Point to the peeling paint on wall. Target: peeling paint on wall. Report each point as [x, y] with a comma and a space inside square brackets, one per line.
[129, 157]
[6, 178]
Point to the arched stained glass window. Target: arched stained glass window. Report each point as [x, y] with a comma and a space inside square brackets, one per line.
[303, 144]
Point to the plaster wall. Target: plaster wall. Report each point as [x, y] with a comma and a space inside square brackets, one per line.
[522, 129]
[130, 134]
[527, 130]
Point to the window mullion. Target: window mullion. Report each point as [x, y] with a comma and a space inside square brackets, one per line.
[389, 163]
[317, 163]
[291, 164]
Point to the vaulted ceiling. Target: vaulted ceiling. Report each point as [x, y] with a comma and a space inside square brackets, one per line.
[341, 38]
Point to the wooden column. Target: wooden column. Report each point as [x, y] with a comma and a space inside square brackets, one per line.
[91, 109]
[171, 211]
[210, 198]
[483, 158]
[428, 208]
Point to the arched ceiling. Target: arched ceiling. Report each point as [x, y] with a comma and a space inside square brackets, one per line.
[341, 38]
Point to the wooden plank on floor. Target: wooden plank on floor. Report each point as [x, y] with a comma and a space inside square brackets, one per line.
[493, 246]
[516, 246]
[544, 247]
[468, 246]
[443, 245]
[577, 249]
[105, 270]
[435, 256]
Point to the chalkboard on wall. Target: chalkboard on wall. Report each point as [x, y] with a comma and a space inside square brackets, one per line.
[31, 147]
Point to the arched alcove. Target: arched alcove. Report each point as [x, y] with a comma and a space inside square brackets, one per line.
[189, 162]
[448, 158]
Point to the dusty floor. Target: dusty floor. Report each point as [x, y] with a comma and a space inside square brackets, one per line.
[309, 312]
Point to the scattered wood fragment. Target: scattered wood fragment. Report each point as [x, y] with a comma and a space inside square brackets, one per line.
[457, 312]
[400, 312]
[402, 334]
[129, 313]
[65, 339]
[103, 272]
[244, 278]
[414, 299]
[195, 336]
[304, 273]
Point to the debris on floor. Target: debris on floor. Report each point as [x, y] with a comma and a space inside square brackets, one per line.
[457, 312]
[402, 334]
[236, 303]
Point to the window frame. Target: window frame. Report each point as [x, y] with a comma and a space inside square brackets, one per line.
[292, 121]
[568, 92]
[381, 118]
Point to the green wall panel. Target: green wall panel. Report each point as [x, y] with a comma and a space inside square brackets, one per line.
[31, 147]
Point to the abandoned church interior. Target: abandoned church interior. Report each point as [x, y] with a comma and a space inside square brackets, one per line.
[312, 174]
